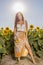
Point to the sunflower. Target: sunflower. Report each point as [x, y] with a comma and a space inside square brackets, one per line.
[7, 28]
[2, 28]
[17, 41]
[5, 32]
[37, 28]
[31, 27]
[1, 31]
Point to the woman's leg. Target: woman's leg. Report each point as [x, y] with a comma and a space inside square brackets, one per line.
[30, 52]
[18, 59]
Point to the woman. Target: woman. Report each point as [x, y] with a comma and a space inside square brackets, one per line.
[20, 37]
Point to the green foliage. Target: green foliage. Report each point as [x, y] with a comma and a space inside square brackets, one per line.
[9, 43]
[2, 47]
[36, 41]
[6, 43]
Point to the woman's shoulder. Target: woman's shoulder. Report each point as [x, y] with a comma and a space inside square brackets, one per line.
[26, 22]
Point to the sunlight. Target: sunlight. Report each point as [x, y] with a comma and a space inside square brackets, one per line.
[19, 6]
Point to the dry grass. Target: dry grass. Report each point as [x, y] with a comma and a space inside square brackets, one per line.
[9, 60]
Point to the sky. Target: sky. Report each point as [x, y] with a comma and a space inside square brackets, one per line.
[33, 12]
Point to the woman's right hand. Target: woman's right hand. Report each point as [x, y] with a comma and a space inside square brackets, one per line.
[16, 40]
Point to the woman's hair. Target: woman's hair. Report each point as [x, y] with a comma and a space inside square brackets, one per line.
[17, 18]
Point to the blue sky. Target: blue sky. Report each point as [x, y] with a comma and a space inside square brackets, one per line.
[34, 14]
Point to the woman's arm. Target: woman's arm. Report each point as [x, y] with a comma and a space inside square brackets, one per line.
[14, 32]
[26, 28]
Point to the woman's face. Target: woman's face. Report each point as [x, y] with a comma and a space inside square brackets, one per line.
[19, 16]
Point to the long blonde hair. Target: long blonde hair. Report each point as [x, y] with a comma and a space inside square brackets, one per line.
[17, 18]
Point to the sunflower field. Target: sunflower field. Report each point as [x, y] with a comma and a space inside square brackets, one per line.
[35, 38]
[6, 41]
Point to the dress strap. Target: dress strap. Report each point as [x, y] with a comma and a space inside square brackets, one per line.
[25, 23]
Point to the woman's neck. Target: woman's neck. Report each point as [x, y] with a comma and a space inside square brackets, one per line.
[20, 22]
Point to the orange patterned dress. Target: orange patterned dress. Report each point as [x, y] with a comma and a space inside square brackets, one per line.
[20, 49]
